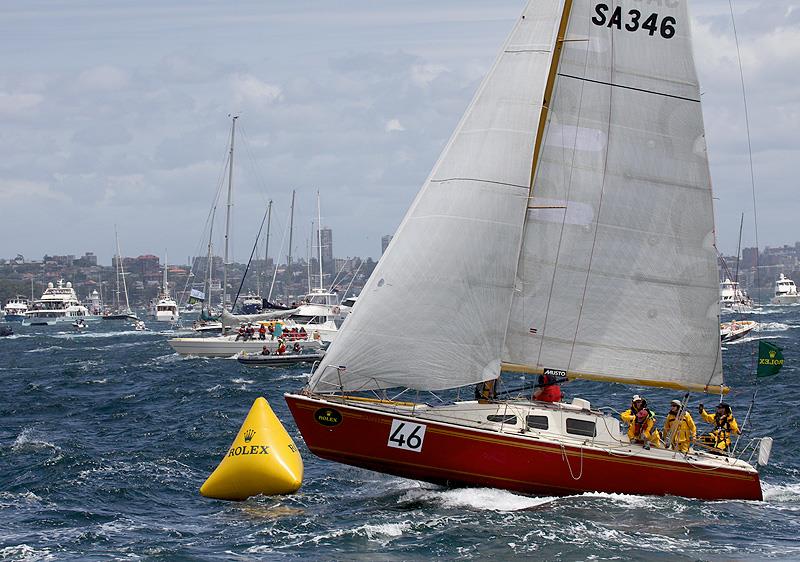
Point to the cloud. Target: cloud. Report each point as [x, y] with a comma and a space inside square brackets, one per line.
[12, 190]
[104, 78]
[13, 104]
[394, 125]
[249, 91]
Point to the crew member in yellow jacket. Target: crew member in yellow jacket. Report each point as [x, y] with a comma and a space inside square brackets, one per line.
[641, 423]
[682, 427]
[724, 426]
[637, 403]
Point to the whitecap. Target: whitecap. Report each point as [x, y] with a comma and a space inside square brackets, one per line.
[771, 327]
[44, 349]
[24, 552]
[29, 439]
[489, 499]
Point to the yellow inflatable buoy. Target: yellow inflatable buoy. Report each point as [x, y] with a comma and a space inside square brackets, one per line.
[263, 459]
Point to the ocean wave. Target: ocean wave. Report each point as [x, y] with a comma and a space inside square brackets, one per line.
[771, 327]
[30, 440]
[781, 493]
[25, 552]
[22, 499]
[488, 499]
[44, 349]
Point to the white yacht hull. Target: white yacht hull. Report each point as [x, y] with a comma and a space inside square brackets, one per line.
[161, 316]
[786, 299]
[227, 346]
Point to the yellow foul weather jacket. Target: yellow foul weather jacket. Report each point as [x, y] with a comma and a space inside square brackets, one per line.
[684, 432]
[724, 426]
[639, 433]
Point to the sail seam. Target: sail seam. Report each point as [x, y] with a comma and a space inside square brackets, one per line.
[629, 88]
[443, 180]
[527, 51]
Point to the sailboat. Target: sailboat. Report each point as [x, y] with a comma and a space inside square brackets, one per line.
[120, 313]
[574, 188]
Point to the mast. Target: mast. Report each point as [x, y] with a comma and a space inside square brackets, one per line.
[228, 213]
[319, 240]
[121, 271]
[116, 294]
[209, 263]
[166, 288]
[309, 253]
[738, 253]
[289, 253]
[266, 246]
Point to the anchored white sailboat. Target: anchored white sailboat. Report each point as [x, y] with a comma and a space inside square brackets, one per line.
[575, 187]
[120, 312]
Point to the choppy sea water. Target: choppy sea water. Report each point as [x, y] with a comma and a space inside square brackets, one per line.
[106, 436]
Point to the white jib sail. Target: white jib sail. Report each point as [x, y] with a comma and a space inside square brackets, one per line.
[618, 274]
[434, 313]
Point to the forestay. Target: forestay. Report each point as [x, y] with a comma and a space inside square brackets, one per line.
[434, 313]
[618, 275]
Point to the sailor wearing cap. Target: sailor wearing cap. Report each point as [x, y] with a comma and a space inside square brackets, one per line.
[679, 428]
[641, 423]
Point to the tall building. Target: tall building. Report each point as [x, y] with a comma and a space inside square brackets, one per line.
[385, 242]
[326, 236]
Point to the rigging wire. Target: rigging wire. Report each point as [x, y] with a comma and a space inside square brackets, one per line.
[753, 190]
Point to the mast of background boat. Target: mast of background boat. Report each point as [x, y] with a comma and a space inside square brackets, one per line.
[319, 240]
[309, 253]
[121, 271]
[275, 271]
[738, 253]
[165, 287]
[289, 253]
[266, 250]
[116, 294]
[228, 213]
[209, 266]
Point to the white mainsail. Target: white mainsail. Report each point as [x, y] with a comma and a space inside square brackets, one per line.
[621, 282]
[433, 314]
[611, 274]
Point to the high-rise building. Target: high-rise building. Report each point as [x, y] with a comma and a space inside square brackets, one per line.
[326, 236]
[385, 242]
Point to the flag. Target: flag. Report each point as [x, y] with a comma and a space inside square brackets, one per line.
[770, 359]
[196, 296]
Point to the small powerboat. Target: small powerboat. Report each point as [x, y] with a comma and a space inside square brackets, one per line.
[735, 329]
[79, 325]
[6, 331]
[279, 360]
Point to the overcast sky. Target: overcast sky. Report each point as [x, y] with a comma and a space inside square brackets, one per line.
[116, 112]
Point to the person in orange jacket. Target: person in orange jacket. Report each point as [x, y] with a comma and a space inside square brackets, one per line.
[680, 425]
[724, 423]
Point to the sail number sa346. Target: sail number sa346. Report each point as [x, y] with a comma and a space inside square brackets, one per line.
[633, 21]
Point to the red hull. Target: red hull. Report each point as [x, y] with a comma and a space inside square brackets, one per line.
[461, 456]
